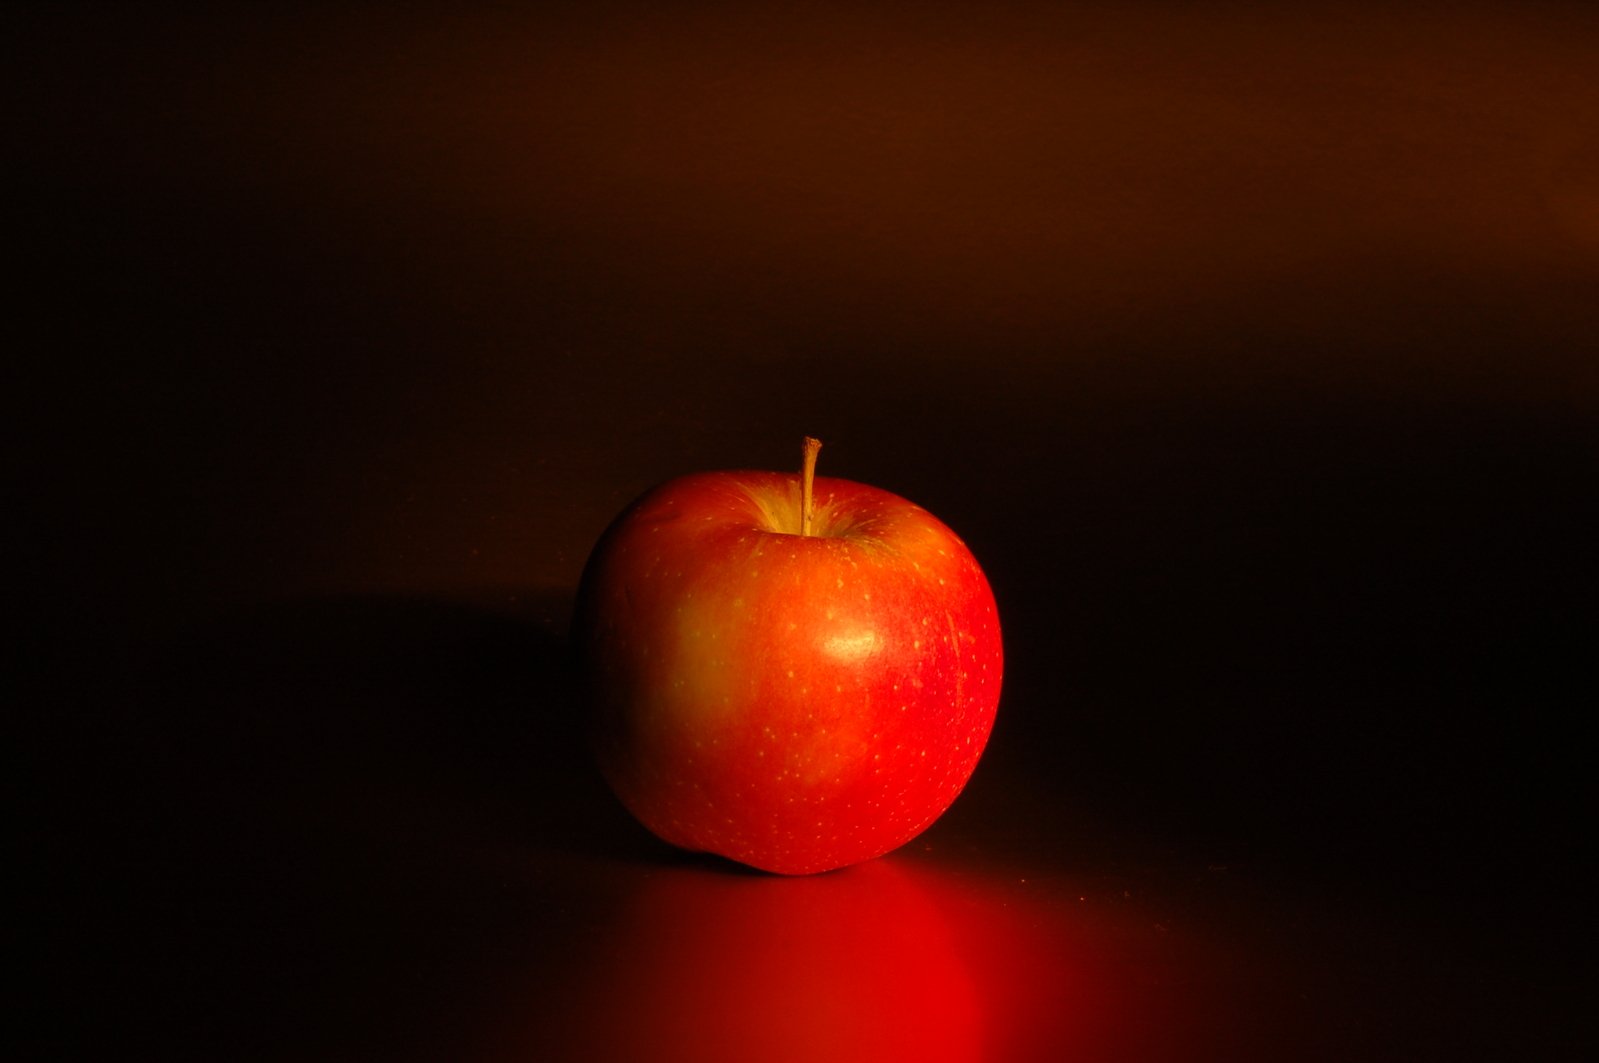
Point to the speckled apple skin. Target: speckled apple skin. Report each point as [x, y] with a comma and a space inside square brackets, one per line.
[794, 703]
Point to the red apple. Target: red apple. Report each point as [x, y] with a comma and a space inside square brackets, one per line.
[795, 694]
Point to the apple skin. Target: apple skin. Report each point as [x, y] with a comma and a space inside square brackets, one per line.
[794, 703]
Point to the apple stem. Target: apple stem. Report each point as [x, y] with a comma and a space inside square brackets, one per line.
[807, 475]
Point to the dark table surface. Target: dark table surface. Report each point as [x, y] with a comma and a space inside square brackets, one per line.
[1254, 354]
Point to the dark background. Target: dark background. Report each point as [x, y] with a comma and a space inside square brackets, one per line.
[1254, 352]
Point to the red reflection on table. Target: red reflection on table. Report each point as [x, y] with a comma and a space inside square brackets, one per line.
[711, 965]
[897, 958]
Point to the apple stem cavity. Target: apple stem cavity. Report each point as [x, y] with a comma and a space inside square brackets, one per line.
[807, 476]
